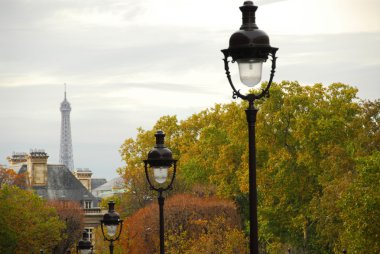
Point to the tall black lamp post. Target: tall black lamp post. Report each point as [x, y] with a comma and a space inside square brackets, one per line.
[160, 159]
[250, 48]
[84, 245]
[111, 221]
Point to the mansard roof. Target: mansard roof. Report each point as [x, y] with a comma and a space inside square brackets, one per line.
[62, 185]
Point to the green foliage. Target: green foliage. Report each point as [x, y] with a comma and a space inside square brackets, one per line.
[361, 208]
[8, 238]
[311, 141]
[71, 214]
[217, 237]
[27, 224]
[104, 202]
[102, 246]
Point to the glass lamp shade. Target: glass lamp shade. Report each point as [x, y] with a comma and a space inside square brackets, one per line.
[89, 251]
[111, 230]
[250, 71]
[160, 173]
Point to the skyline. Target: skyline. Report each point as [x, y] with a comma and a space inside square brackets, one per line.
[127, 63]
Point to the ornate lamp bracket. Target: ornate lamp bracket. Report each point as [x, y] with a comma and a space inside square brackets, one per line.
[105, 237]
[251, 97]
[160, 189]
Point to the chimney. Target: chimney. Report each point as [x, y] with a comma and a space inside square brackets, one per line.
[37, 167]
[84, 176]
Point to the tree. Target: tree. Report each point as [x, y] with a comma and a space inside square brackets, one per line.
[102, 246]
[27, 223]
[187, 219]
[360, 206]
[10, 177]
[309, 143]
[303, 141]
[72, 215]
[133, 153]
[217, 237]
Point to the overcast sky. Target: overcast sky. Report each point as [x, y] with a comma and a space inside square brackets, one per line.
[128, 62]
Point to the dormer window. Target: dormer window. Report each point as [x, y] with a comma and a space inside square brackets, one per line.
[87, 204]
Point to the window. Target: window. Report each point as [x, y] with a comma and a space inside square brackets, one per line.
[89, 231]
[87, 204]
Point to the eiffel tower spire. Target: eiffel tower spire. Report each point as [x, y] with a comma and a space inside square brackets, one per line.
[66, 148]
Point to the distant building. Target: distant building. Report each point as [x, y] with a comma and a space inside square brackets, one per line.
[57, 182]
[84, 176]
[110, 188]
[61, 181]
[96, 182]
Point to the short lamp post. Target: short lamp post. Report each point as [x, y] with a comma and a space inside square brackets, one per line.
[250, 48]
[160, 159]
[84, 245]
[112, 224]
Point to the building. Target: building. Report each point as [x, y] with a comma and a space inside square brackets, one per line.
[57, 182]
[61, 181]
[110, 188]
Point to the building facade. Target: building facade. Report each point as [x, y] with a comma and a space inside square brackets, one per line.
[57, 182]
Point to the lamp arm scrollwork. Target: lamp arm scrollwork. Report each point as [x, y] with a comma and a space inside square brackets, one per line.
[110, 238]
[170, 186]
[148, 178]
[235, 93]
[120, 228]
[102, 228]
[265, 92]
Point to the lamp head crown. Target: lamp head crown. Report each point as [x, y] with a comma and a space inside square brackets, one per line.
[84, 243]
[249, 16]
[160, 155]
[249, 42]
[111, 217]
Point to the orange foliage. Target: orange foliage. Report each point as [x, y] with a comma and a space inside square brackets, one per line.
[10, 177]
[183, 212]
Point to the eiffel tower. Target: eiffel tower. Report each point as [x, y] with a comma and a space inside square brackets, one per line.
[66, 148]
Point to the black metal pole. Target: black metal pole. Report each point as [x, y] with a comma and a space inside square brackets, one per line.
[251, 113]
[161, 201]
[111, 247]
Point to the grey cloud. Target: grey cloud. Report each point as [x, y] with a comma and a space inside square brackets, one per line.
[264, 2]
[348, 58]
[37, 14]
[83, 49]
[91, 58]
[170, 87]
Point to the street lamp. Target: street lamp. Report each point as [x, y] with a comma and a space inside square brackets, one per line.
[111, 221]
[160, 159]
[250, 48]
[84, 245]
